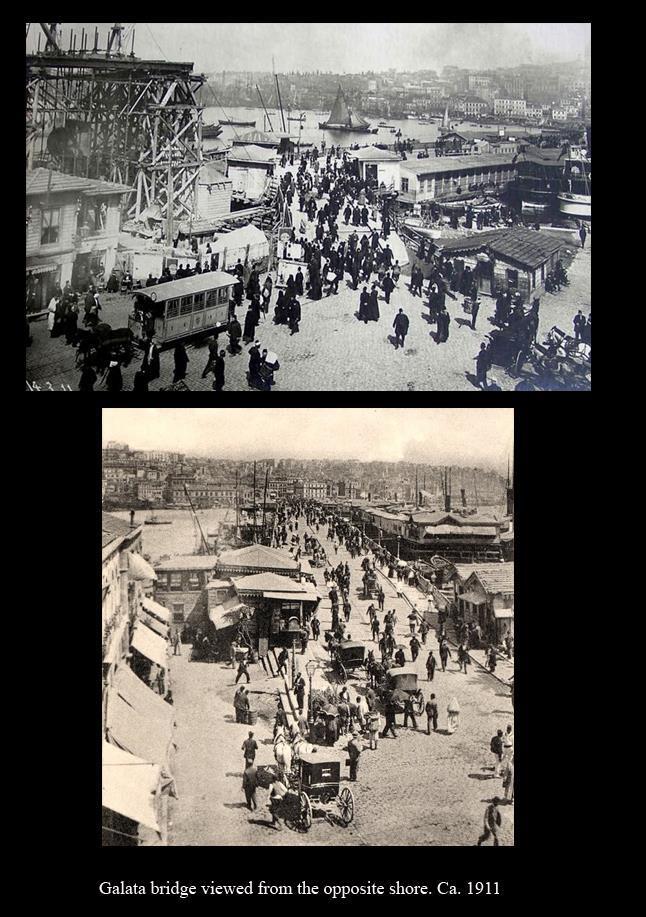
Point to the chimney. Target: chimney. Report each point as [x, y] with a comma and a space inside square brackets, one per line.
[463, 494]
[447, 491]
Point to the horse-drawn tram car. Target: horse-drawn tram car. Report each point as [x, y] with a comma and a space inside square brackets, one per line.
[181, 309]
[318, 781]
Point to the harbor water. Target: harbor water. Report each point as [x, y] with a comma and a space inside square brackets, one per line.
[180, 537]
[411, 129]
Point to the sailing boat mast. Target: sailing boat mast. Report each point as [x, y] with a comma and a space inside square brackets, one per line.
[237, 508]
[205, 543]
[475, 488]
[280, 102]
[264, 108]
[264, 503]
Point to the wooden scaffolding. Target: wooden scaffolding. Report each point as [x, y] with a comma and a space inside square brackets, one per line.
[118, 118]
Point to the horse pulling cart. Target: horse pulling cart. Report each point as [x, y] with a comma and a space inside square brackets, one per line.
[99, 346]
[400, 683]
[318, 780]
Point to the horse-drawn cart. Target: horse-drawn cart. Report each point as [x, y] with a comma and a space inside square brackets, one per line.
[98, 346]
[318, 781]
[347, 656]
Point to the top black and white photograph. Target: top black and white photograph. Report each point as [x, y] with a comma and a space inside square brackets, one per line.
[308, 206]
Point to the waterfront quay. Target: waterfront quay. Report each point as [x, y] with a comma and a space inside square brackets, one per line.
[415, 790]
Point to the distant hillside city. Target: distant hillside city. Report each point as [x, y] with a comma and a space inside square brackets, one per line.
[556, 91]
[153, 478]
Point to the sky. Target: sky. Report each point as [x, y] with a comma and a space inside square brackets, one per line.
[472, 437]
[345, 47]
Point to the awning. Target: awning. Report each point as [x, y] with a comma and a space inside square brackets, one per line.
[156, 626]
[157, 610]
[147, 738]
[35, 269]
[475, 598]
[130, 786]
[503, 612]
[222, 617]
[150, 645]
[139, 568]
[142, 698]
[292, 596]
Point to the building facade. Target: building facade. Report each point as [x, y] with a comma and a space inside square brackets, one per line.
[72, 232]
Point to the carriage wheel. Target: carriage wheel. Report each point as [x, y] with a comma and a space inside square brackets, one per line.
[418, 703]
[346, 805]
[305, 811]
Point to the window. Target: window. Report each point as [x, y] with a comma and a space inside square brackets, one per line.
[223, 295]
[49, 226]
[404, 184]
[211, 298]
[178, 614]
[172, 310]
[176, 581]
[199, 302]
[186, 305]
[194, 580]
[512, 278]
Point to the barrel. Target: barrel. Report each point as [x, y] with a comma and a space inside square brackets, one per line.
[252, 717]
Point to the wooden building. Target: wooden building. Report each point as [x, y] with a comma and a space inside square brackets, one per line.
[485, 596]
[438, 177]
[280, 608]
[510, 259]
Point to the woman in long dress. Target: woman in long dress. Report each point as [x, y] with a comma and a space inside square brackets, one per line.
[51, 315]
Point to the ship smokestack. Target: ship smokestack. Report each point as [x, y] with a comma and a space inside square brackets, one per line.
[463, 494]
[132, 518]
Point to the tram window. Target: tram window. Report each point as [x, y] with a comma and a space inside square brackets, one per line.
[211, 298]
[173, 308]
[223, 295]
[187, 305]
[199, 302]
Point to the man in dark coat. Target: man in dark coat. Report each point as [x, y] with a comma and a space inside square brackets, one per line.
[250, 325]
[150, 363]
[401, 328]
[482, 365]
[475, 308]
[431, 715]
[254, 364]
[364, 301]
[388, 286]
[430, 665]
[298, 280]
[579, 325]
[235, 333]
[249, 784]
[294, 316]
[373, 304]
[181, 362]
[390, 712]
[218, 372]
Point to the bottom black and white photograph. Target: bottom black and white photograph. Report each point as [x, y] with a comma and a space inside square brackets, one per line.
[307, 627]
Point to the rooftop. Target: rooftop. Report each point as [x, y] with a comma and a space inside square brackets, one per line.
[441, 517]
[496, 577]
[257, 555]
[434, 165]
[252, 153]
[43, 181]
[272, 582]
[528, 247]
[112, 528]
[374, 153]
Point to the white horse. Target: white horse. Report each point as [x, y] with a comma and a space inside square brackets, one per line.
[300, 746]
[283, 753]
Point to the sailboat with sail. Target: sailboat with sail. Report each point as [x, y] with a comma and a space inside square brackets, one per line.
[343, 118]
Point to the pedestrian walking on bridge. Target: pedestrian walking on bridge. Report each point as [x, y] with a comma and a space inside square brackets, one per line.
[414, 647]
[431, 715]
[492, 820]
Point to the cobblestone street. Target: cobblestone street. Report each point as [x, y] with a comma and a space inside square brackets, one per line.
[333, 351]
[415, 790]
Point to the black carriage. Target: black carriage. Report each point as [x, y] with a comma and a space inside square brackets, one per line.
[509, 346]
[399, 682]
[347, 656]
[318, 781]
[562, 361]
[369, 584]
[97, 347]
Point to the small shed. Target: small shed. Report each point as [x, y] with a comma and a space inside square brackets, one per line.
[213, 191]
[248, 168]
[375, 166]
[516, 259]
[488, 600]
[249, 244]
